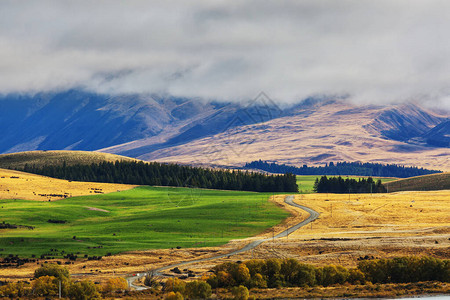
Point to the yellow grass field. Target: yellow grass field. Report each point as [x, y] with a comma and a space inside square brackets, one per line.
[401, 213]
[20, 185]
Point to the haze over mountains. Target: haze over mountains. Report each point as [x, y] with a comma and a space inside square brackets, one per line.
[225, 134]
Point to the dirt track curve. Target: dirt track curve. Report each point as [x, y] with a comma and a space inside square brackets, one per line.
[313, 215]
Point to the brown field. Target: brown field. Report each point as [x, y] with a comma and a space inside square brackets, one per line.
[20, 185]
[349, 228]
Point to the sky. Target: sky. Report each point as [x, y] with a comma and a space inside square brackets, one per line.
[369, 51]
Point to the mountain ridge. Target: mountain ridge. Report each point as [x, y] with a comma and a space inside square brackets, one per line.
[189, 131]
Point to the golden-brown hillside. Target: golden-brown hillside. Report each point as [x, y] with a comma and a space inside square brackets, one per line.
[335, 132]
[40, 158]
[20, 185]
[431, 182]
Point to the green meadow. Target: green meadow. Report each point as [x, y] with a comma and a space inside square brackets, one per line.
[306, 182]
[137, 219]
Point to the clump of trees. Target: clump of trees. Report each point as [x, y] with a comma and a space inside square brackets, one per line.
[159, 174]
[178, 289]
[343, 168]
[276, 273]
[340, 185]
[50, 280]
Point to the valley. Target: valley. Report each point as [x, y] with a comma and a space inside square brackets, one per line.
[101, 231]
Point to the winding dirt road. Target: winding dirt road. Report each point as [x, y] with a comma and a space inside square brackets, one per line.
[313, 215]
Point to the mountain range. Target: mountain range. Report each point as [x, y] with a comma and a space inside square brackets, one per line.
[191, 131]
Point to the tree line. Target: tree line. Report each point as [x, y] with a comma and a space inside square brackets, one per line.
[51, 280]
[159, 174]
[343, 168]
[277, 273]
[340, 185]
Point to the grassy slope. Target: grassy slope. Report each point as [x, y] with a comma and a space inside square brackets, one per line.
[431, 182]
[306, 182]
[21, 185]
[40, 158]
[142, 218]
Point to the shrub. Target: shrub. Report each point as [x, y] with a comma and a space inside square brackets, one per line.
[289, 270]
[258, 281]
[149, 280]
[356, 276]
[224, 279]
[333, 275]
[45, 286]
[174, 296]
[175, 284]
[198, 290]
[242, 275]
[84, 290]
[240, 292]
[9, 290]
[115, 284]
[272, 270]
[60, 273]
[376, 271]
[255, 266]
[306, 275]
[212, 281]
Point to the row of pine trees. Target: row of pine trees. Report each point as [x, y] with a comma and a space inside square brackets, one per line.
[339, 185]
[343, 168]
[158, 174]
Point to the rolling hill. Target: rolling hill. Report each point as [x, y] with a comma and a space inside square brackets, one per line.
[55, 158]
[26, 186]
[420, 183]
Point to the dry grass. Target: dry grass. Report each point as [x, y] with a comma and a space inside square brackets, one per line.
[421, 183]
[395, 214]
[20, 185]
[45, 158]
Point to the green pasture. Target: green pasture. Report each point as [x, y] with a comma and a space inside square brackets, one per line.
[137, 219]
[306, 182]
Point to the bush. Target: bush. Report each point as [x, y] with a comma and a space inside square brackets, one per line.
[84, 290]
[174, 296]
[198, 290]
[149, 280]
[258, 281]
[45, 286]
[175, 285]
[212, 281]
[9, 290]
[242, 275]
[405, 269]
[224, 279]
[115, 284]
[306, 275]
[356, 276]
[240, 292]
[333, 275]
[60, 273]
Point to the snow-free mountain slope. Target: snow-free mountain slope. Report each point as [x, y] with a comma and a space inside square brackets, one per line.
[335, 131]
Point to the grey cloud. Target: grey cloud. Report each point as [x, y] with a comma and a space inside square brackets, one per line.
[374, 51]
